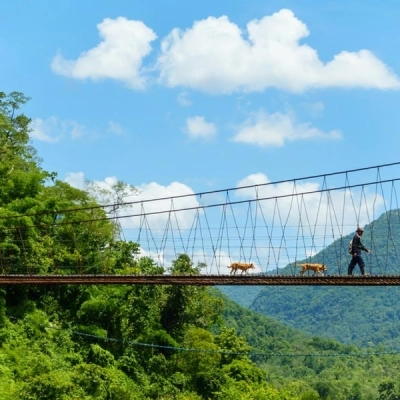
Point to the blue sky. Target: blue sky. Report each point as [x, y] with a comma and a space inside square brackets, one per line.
[180, 97]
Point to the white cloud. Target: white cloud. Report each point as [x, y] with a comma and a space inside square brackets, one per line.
[198, 127]
[215, 56]
[161, 217]
[76, 179]
[52, 129]
[157, 212]
[119, 56]
[263, 129]
[44, 131]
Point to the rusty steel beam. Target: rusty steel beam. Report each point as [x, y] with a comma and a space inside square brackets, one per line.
[201, 280]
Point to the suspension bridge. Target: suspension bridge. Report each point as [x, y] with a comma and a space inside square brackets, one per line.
[274, 225]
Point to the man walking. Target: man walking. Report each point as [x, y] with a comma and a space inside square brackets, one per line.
[357, 247]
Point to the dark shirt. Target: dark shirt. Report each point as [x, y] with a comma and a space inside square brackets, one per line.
[357, 244]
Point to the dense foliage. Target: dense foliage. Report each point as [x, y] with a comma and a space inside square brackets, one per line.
[139, 342]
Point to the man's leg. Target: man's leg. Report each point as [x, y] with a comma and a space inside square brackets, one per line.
[361, 265]
[352, 264]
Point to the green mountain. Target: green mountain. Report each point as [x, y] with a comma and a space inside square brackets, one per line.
[364, 316]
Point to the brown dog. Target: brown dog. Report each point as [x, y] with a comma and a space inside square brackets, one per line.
[317, 268]
[244, 267]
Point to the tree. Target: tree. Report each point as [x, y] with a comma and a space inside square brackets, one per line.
[39, 222]
[202, 354]
[20, 173]
[234, 347]
[187, 305]
[389, 391]
[113, 198]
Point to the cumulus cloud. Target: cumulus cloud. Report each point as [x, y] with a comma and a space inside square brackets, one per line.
[52, 130]
[159, 211]
[263, 129]
[215, 56]
[119, 55]
[198, 127]
[150, 199]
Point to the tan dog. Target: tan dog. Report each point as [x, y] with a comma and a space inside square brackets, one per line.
[317, 268]
[244, 267]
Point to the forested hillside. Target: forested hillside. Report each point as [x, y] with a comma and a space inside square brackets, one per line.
[139, 342]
